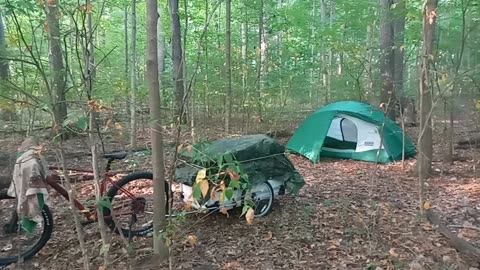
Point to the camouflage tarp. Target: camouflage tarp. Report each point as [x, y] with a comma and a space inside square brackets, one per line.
[260, 157]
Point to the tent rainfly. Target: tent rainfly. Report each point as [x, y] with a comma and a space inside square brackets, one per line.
[350, 129]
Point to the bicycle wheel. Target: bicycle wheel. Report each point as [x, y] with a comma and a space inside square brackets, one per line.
[134, 215]
[16, 243]
[262, 196]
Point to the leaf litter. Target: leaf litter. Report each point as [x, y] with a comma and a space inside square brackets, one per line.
[350, 215]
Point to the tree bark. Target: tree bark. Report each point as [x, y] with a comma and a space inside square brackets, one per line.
[4, 67]
[399, 37]
[206, 111]
[228, 99]
[56, 61]
[312, 52]
[387, 94]
[323, 53]
[125, 32]
[330, 70]
[260, 59]
[159, 222]
[177, 59]
[244, 37]
[161, 53]
[425, 147]
[369, 59]
[133, 79]
[458, 65]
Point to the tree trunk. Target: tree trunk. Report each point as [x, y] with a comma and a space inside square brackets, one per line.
[188, 110]
[56, 61]
[177, 59]
[425, 148]
[89, 55]
[206, 110]
[458, 65]
[369, 59]
[159, 222]
[323, 54]
[4, 68]
[330, 70]
[387, 95]
[260, 60]
[399, 63]
[89, 75]
[71, 199]
[133, 79]
[228, 99]
[161, 54]
[312, 52]
[244, 36]
[125, 32]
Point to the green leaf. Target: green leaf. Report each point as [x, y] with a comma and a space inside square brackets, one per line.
[82, 123]
[220, 162]
[245, 209]
[197, 191]
[104, 248]
[104, 202]
[228, 193]
[228, 158]
[234, 184]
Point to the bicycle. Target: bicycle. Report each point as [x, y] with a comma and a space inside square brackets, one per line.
[117, 194]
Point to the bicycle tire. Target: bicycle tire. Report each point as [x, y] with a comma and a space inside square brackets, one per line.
[46, 234]
[271, 197]
[112, 192]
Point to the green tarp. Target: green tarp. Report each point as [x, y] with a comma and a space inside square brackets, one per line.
[311, 140]
[260, 157]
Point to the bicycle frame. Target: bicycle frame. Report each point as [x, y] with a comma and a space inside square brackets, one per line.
[89, 213]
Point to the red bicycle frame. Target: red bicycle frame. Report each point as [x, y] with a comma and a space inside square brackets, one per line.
[54, 181]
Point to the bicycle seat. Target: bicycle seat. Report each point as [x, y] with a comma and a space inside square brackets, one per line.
[116, 155]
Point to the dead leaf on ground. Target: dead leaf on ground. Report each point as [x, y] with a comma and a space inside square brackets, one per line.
[192, 240]
[250, 215]
[269, 236]
[231, 265]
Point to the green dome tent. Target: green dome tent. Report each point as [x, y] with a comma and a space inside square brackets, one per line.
[350, 129]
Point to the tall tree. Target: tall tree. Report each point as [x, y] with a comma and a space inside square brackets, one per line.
[457, 65]
[57, 84]
[161, 53]
[330, 71]
[159, 247]
[228, 98]
[399, 36]
[125, 33]
[133, 79]
[425, 147]
[369, 60]
[387, 94]
[4, 73]
[261, 58]
[177, 58]
[313, 18]
[244, 37]
[323, 54]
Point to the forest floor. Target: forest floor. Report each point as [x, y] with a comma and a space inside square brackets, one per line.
[349, 215]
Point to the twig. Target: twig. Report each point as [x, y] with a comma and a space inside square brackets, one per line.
[464, 227]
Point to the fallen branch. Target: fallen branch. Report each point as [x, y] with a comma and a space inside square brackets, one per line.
[470, 253]
[464, 227]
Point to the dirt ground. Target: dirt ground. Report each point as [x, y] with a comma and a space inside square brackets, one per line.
[349, 215]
